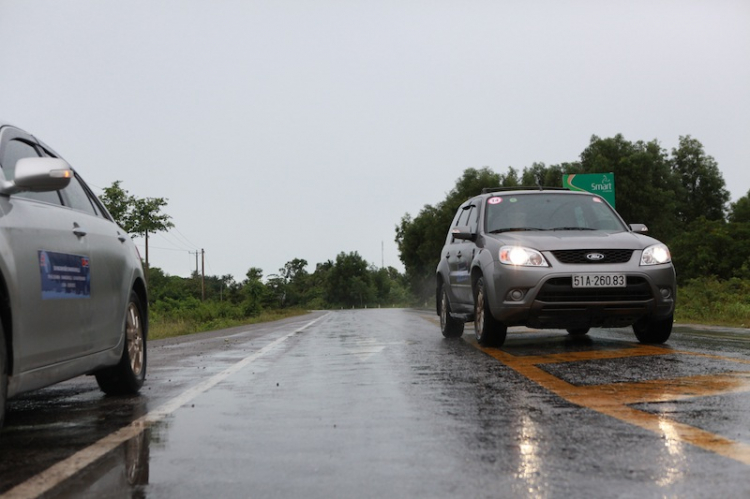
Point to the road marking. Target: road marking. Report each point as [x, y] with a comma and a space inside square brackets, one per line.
[61, 471]
[615, 399]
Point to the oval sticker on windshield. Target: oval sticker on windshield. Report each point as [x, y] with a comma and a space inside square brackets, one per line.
[495, 200]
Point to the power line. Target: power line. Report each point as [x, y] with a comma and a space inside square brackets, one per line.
[174, 241]
[150, 247]
[190, 243]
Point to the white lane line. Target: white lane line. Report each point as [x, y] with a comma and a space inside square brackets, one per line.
[61, 471]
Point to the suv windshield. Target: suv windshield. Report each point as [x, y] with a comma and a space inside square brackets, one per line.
[549, 211]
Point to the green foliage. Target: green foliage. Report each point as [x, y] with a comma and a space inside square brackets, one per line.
[139, 216]
[118, 202]
[539, 174]
[145, 216]
[176, 306]
[348, 282]
[166, 327]
[703, 192]
[645, 187]
[708, 300]
[712, 248]
[739, 212]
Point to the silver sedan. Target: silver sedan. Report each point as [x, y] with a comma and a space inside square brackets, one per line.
[72, 288]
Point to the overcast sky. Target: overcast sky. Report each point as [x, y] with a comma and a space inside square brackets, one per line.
[300, 129]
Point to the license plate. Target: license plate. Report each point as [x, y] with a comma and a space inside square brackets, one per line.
[599, 281]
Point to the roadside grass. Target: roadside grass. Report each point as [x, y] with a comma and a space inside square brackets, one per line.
[712, 302]
[161, 327]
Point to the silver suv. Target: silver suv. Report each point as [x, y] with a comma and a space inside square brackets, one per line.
[551, 258]
[72, 289]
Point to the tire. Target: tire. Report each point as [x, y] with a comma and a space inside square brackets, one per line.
[450, 327]
[649, 330]
[3, 376]
[127, 377]
[578, 331]
[489, 331]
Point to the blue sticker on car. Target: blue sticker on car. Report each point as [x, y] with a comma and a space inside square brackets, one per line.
[64, 276]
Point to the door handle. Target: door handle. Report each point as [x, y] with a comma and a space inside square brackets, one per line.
[78, 231]
[459, 255]
[121, 238]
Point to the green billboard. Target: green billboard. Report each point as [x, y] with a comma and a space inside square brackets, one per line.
[602, 184]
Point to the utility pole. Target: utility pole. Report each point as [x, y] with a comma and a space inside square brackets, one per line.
[203, 275]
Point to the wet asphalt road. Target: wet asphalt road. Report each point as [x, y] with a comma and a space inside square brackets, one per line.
[375, 403]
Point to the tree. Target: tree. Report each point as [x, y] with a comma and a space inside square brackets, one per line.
[255, 292]
[539, 174]
[712, 248]
[740, 211]
[118, 202]
[703, 192]
[510, 179]
[146, 218]
[349, 282]
[137, 216]
[295, 281]
[253, 274]
[289, 284]
[419, 242]
[646, 189]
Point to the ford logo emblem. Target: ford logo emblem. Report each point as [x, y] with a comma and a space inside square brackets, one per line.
[595, 257]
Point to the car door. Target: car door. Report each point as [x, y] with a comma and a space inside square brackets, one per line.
[110, 268]
[45, 265]
[460, 255]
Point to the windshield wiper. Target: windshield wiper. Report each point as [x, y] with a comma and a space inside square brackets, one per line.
[573, 228]
[513, 229]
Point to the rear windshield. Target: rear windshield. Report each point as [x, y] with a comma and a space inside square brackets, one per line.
[550, 211]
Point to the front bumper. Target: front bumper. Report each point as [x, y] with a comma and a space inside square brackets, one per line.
[550, 301]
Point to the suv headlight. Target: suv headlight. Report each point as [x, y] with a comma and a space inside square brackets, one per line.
[520, 256]
[655, 255]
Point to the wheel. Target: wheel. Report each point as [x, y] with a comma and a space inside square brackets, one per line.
[3, 376]
[577, 331]
[450, 327]
[649, 330]
[488, 330]
[128, 375]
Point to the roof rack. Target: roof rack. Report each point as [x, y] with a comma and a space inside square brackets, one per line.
[485, 190]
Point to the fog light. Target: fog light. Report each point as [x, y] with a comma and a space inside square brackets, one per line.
[666, 293]
[515, 295]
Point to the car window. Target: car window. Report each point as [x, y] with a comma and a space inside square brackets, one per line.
[463, 219]
[12, 152]
[75, 197]
[550, 211]
[472, 220]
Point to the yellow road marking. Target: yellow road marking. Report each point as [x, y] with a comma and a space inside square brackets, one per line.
[614, 400]
[555, 358]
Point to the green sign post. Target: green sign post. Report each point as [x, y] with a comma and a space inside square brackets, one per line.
[602, 184]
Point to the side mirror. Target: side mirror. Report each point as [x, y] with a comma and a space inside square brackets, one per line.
[462, 232]
[639, 228]
[38, 175]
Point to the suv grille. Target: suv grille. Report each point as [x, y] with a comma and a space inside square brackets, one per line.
[560, 289]
[579, 256]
